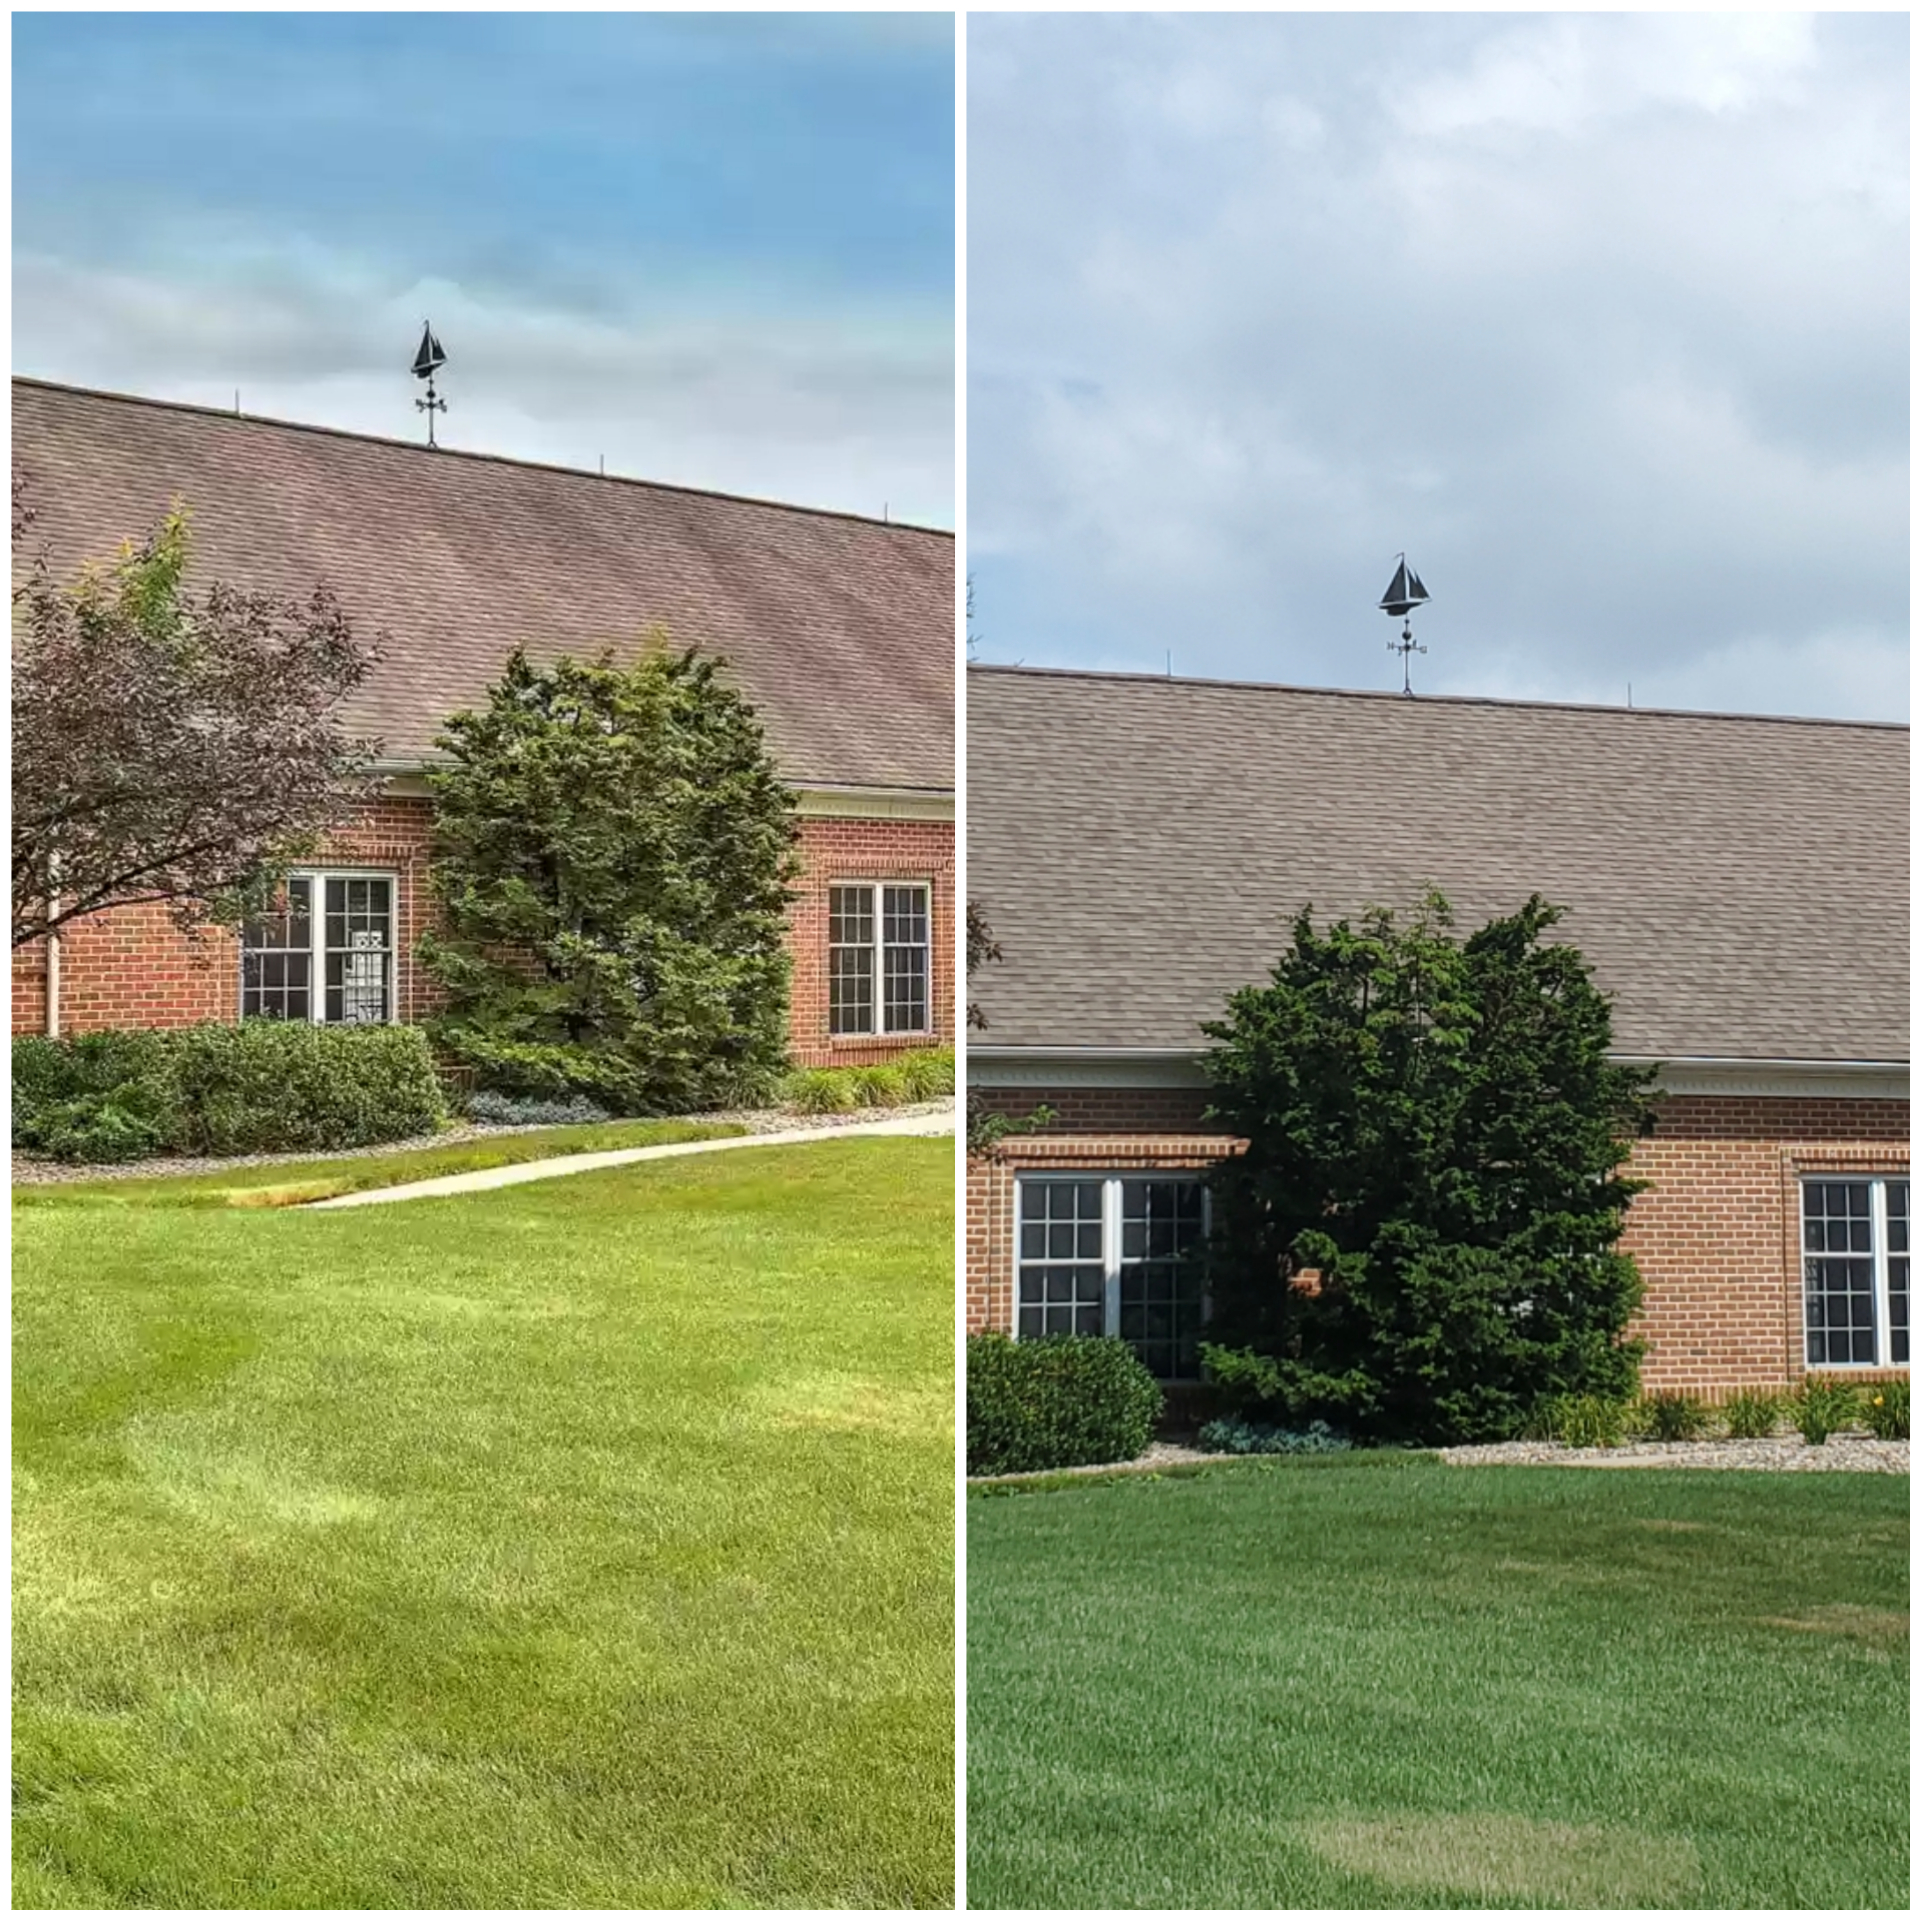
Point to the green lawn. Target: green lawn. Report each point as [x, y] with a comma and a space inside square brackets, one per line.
[581, 1544]
[294, 1183]
[1389, 1683]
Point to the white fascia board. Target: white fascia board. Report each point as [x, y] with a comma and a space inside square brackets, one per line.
[874, 803]
[991, 1066]
[408, 780]
[1783, 1079]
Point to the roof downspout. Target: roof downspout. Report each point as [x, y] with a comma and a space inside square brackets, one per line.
[52, 1021]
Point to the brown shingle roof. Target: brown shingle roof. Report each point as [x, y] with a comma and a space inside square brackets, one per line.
[1141, 845]
[841, 629]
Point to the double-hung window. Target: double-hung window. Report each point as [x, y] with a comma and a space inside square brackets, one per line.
[1114, 1255]
[1854, 1232]
[879, 957]
[324, 953]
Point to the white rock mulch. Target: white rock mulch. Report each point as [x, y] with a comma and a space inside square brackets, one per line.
[29, 1172]
[1163, 1453]
[1844, 1453]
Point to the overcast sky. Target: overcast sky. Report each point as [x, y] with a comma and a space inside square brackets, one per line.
[1602, 318]
[716, 249]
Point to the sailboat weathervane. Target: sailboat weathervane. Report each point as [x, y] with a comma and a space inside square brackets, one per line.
[426, 363]
[1404, 593]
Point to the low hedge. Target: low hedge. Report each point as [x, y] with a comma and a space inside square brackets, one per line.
[1061, 1402]
[265, 1086]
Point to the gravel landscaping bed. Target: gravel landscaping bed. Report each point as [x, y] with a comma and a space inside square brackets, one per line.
[30, 1172]
[1845, 1453]
[1163, 1453]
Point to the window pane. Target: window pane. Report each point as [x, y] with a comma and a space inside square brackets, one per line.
[1840, 1316]
[359, 941]
[1160, 1285]
[850, 960]
[906, 958]
[1062, 1275]
[276, 959]
[850, 916]
[850, 990]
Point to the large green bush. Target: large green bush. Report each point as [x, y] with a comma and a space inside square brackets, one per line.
[1421, 1241]
[265, 1086]
[1061, 1402]
[613, 852]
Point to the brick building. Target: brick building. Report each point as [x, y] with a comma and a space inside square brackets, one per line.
[1739, 885]
[839, 629]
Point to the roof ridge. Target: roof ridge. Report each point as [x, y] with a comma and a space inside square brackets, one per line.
[463, 453]
[1427, 699]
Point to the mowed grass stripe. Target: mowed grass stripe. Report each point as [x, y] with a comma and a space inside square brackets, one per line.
[1387, 1683]
[297, 1183]
[583, 1544]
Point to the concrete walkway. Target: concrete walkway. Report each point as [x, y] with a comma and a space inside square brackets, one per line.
[486, 1177]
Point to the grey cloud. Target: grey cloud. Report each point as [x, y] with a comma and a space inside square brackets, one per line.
[1603, 318]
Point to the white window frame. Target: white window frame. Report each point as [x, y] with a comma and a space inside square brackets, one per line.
[875, 888]
[1876, 1185]
[1112, 1240]
[317, 950]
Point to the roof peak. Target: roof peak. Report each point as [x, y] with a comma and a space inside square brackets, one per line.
[1399, 699]
[228, 415]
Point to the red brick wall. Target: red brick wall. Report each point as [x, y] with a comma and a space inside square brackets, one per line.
[838, 850]
[1716, 1235]
[134, 968]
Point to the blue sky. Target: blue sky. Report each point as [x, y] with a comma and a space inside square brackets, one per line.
[716, 249]
[1603, 318]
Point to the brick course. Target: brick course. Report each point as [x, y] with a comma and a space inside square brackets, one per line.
[133, 968]
[1716, 1234]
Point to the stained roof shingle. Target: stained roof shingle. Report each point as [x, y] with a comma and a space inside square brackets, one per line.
[1141, 845]
[840, 629]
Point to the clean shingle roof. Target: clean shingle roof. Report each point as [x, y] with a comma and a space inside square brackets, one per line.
[840, 629]
[1141, 846]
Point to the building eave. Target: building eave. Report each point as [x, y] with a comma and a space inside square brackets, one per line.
[407, 779]
[1066, 1067]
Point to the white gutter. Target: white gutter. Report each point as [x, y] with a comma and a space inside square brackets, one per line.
[1003, 1066]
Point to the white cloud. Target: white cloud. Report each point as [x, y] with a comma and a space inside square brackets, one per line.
[1605, 321]
[844, 411]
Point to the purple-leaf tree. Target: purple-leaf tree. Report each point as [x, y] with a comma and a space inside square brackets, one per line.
[170, 747]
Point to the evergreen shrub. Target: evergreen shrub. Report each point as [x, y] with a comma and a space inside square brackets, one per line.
[264, 1086]
[1420, 1243]
[1061, 1402]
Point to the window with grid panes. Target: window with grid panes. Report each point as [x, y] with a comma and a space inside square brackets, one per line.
[1854, 1236]
[324, 954]
[1114, 1255]
[879, 958]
